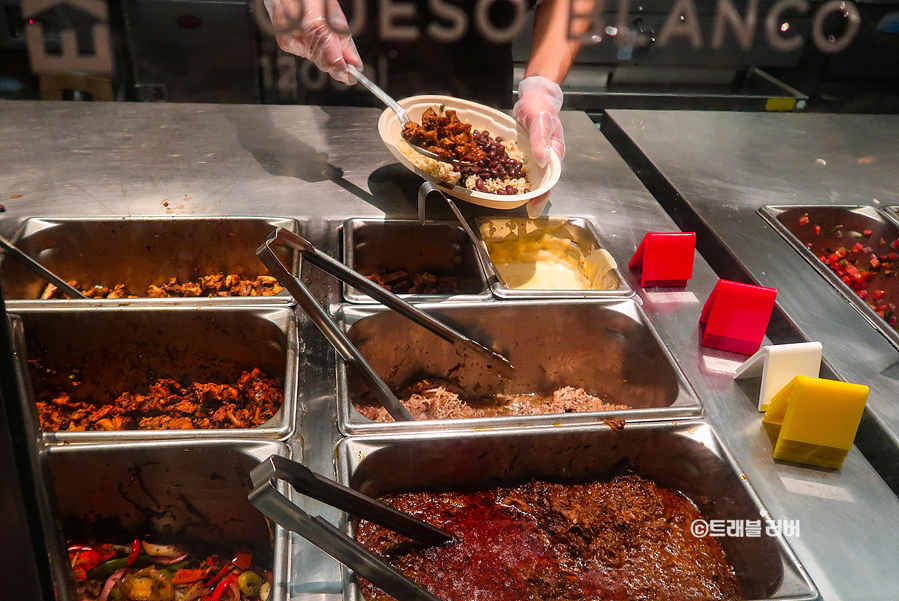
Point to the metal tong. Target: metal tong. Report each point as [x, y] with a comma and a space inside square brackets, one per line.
[465, 347]
[271, 502]
[428, 187]
[39, 269]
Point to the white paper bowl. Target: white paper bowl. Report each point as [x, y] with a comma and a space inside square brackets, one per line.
[481, 117]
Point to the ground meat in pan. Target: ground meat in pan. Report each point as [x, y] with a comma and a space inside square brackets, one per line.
[438, 399]
[623, 539]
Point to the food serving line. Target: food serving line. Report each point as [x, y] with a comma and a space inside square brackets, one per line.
[323, 166]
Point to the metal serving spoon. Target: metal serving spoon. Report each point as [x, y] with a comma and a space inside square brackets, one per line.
[401, 114]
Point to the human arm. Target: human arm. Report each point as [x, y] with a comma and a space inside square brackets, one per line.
[539, 93]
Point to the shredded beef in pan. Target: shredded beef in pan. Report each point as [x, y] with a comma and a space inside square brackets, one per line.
[439, 399]
[249, 402]
[619, 540]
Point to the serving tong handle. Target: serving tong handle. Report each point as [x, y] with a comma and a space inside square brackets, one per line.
[409, 311]
[465, 346]
[306, 482]
[39, 269]
[266, 497]
[325, 324]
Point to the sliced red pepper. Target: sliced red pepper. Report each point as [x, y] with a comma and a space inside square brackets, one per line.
[866, 233]
[219, 576]
[87, 558]
[243, 560]
[878, 294]
[804, 219]
[135, 551]
[182, 576]
[222, 587]
[857, 247]
[893, 256]
[875, 263]
[863, 294]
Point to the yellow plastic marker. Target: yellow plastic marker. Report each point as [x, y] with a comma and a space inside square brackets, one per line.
[814, 420]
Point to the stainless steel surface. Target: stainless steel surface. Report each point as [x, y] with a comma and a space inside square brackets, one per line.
[468, 349]
[326, 325]
[112, 351]
[853, 220]
[10, 249]
[193, 493]
[609, 349]
[687, 457]
[54, 545]
[578, 230]
[713, 171]
[440, 248]
[325, 165]
[140, 252]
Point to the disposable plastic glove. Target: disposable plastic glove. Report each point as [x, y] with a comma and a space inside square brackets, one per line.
[317, 30]
[537, 110]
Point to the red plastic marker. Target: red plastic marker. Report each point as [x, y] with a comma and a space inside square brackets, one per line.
[667, 259]
[736, 316]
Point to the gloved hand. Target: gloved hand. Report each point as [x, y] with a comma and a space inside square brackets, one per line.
[317, 30]
[537, 110]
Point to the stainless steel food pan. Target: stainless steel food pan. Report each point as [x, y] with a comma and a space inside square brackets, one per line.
[580, 231]
[789, 222]
[118, 350]
[686, 456]
[608, 348]
[193, 493]
[138, 252]
[437, 247]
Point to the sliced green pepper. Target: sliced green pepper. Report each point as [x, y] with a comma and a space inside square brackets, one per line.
[108, 568]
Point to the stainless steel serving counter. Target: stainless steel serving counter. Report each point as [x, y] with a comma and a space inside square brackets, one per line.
[713, 171]
[324, 165]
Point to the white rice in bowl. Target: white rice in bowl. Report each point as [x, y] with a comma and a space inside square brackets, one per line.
[447, 173]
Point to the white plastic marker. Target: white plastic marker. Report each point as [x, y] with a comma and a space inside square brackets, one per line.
[778, 364]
